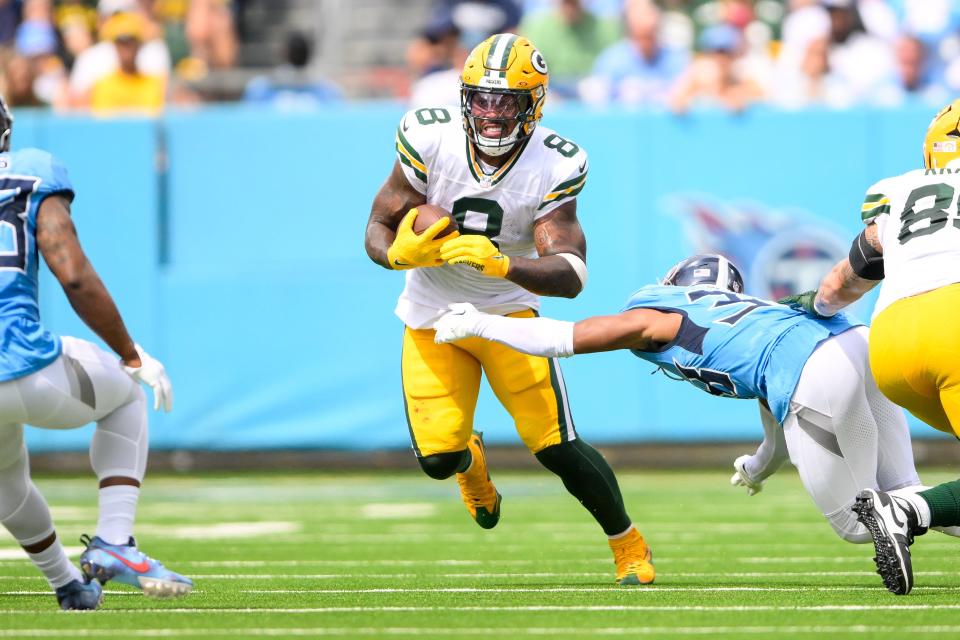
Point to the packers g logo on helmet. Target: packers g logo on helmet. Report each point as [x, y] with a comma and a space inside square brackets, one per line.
[507, 69]
[536, 59]
[943, 136]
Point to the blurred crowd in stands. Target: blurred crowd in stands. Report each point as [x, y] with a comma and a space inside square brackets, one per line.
[140, 55]
[682, 54]
[111, 55]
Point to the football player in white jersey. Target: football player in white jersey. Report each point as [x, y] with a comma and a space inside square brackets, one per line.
[912, 244]
[511, 185]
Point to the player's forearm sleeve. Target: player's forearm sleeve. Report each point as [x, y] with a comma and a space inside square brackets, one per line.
[535, 336]
[772, 452]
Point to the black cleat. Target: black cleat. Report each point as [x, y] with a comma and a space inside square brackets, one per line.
[892, 522]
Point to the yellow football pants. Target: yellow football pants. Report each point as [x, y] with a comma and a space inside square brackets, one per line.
[915, 356]
[441, 383]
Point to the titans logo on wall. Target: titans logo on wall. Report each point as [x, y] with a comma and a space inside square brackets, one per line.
[780, 252]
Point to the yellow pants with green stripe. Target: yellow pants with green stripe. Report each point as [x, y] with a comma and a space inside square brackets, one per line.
[441, 383]
[915, 356]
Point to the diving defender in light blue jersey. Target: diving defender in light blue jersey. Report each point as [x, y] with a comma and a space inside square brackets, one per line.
[55, 383]
[818, 401]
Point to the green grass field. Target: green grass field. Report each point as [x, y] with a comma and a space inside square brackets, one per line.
[368, 555]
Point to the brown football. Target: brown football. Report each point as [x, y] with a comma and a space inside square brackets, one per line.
[430, 213]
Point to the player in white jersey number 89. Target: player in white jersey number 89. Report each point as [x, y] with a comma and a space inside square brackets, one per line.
[511, 184]
[911, 243]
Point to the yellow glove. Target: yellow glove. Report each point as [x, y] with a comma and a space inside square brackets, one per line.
[477, 252]
[410, 249]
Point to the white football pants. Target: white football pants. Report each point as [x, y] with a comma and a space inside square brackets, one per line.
[843, 435]
[85, 384]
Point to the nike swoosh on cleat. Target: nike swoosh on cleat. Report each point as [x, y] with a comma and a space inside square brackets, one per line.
[400, 264]
[139, 567]
[893, 514]
[583, 166]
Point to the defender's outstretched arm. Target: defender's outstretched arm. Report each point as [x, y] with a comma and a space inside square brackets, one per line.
[643, 329]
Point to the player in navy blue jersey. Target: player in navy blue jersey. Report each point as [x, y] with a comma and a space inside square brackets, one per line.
[818, 402]
[62, 383]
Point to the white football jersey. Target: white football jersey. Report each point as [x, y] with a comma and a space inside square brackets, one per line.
[502, 204]
[919, 223]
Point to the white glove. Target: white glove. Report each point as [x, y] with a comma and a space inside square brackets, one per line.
[742, 479]
[456, 324]
[151, 373]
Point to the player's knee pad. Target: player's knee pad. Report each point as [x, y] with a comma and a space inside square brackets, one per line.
[440, 466]
[11, 445]
[14, 485]
[846, 525]
[120, 443]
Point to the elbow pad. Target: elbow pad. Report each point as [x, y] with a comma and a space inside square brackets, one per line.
[866, 261]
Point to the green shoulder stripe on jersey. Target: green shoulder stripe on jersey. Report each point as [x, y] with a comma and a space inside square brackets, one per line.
[569, 183]
[402, 139]
[419, 174]
[409, 156]
[568, 189]
[866, 216]
[874, 205]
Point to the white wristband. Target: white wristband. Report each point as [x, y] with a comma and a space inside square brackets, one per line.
[579, 266]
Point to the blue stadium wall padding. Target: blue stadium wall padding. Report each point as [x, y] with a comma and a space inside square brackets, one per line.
[242, 268]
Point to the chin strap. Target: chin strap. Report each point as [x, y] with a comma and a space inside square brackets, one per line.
[512, 140]
[496, 152]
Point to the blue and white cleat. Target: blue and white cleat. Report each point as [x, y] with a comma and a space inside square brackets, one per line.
[127, 564]
[80, 596]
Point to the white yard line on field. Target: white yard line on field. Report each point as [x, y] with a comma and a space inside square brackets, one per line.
[542, 574]
[637, 630]
[531, 608]
[605, 589]
[397, 510]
